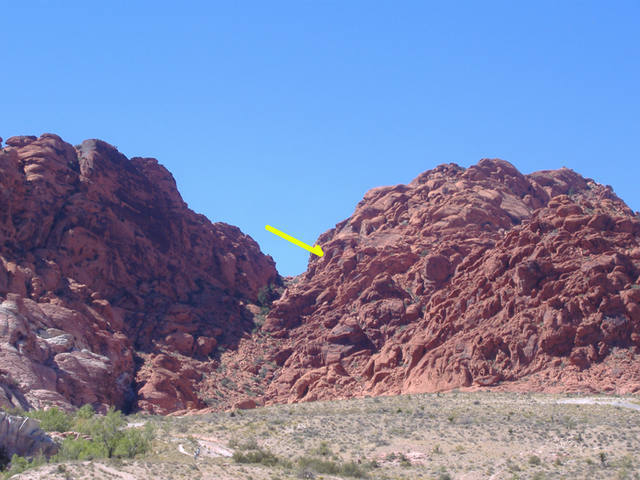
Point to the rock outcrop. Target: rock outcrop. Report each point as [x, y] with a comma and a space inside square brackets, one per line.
[466, 278]
[23, 436]
[112, 292]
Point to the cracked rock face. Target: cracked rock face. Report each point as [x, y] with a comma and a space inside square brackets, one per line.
[105, 273]
[113, 292]
[23, 436]
[466, 278]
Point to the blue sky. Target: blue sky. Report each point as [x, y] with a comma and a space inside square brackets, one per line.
[286, 113]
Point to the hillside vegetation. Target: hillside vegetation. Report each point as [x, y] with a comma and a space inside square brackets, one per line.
[431, 436]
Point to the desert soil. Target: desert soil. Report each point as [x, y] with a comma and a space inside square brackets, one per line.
[471, 435]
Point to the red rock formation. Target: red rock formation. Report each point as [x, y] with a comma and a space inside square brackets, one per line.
[466, 278]
[113, 292]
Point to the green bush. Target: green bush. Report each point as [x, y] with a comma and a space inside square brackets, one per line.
[56, 420]
[52, 420]
[534, 460]
[351, 469]
[20, 464]
[107, 430]
[109, 438]
[322, 450]
[80, 449]
[264, 457]
[85, 412]
[264, 296]
[133, 442]
[123, 444]
[249, 444]
[319, 465]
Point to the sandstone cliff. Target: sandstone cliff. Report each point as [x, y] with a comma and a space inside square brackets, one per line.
[464, 278]
[112, 291]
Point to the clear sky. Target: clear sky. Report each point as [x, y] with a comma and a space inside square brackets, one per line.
[286, 113]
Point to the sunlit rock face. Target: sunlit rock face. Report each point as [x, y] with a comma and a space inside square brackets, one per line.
[112, 291]
[467, 278]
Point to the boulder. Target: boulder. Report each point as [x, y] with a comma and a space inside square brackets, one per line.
[23, 436]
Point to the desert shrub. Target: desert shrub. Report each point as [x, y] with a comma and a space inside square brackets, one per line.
[603, 458]
[352, 469]
[228, 383]
[56, 420]
[20, 464]
[12, 410]
[249, 444]
[105, 430]
[534, 460]
[264, 297]
[133, 442]
[371, 464]
[108, 438]
[80, 449]
[264, 457]
[319, 465]
[322, 450]
[85, 412]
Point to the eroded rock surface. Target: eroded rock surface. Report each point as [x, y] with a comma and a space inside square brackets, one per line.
[466, 278]
[112, 291]
[24, 437]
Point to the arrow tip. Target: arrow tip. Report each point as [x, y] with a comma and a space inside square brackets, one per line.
[317, 250]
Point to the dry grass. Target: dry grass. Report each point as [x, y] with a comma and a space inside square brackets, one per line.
[456, 435]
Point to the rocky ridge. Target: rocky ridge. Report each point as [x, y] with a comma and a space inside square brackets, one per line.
[464, 278]
[112, 292]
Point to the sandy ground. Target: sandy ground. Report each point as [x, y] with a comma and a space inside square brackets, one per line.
[205, 446]
[600, 401]
[455, 436]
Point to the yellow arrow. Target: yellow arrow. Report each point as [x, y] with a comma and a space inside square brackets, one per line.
[315, 250]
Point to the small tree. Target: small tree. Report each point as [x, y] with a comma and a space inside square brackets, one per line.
[133, 442]
[85, 412]
[84, 419]
[106, 430]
